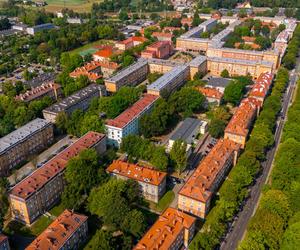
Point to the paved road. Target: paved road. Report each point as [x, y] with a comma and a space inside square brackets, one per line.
[239, 225]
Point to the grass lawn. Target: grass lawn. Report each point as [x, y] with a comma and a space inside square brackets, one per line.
[40, 225]
[57, 210]
[90, 47]
[164, 202]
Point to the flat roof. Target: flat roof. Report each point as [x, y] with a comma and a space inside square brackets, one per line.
[185, 129]
[239, 61]
[197, 61]
[163, 62]
[72, 100]
[218, 82]
[125, 72]
[168, 77]
[22, 133]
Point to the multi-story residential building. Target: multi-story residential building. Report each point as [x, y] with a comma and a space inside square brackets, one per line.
[162, 36]
[196, 194]
[130, 42]
[92, 70]
[127, 123]
[170, 81]
[212, 95]
[239, 125]
[198, 65]
[152, 183]
[42, 189]
[24, 142]
[192, 44]
[187, 131]
[172, 231]
[160, 49]
[33, 30]
[261, 87]
[161, 66]
[130, 76]
[51, 89]
[4, 245]
[79, 100]
[68, 231]
[236, 67]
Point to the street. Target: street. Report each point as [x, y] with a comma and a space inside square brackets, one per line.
[239, 225]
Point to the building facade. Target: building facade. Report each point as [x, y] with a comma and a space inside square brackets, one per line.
[4, 245]
[173, 230]
[51, 89]
[33, 30]
[68, 231]
[160, 49]
[42, 189]
[152, 183]
[195, 196]
[80, 100]
[24, 142]
[127, 123]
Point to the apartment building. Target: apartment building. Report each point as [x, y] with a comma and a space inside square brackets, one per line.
[127, 123]
[152, 183]
[79, 100]
[68, 231]
[160, 49]
[130, 76]
[261, 87]
[237, 129]
[4, 245]
[130, 42]
[196, 194]
[270, 56]
[42, 189]
[104, 54]
[50, 89]
[24, 142]
[92, 70]
[236, 67]
[170, 81]
[161, 66]
[173, 230]
[198, 65]
[212, 95]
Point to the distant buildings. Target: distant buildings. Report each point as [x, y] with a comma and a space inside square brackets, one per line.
[24, 142]
[104, 54]
[170, 81]
[161, 36]
[68, 231]
[127, 123]
[42, 189]
[196, 194]
[80, 100]
[172, 230]
[4, 245]
[152, 183]
[130, 76]
[187, 131]
[33, 30]
[130, 42]
[49, 89]
[160, 49]
[92, 70]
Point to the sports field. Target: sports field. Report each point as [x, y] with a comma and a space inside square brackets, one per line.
[91, 48]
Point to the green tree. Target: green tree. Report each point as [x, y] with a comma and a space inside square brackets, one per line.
[4, 185]
[216, 128]
[234, 92]
[102, 240]
[225, 73]
[178, 155]
[291, 237]
[134, 223]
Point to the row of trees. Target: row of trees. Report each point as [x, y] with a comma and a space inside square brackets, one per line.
[112, 202]
[289, 60]
[166, 112]
[235, 188]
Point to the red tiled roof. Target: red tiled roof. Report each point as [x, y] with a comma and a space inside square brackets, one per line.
[262, 85]
[134, 39]
[59, 231]
[198, 186]
[241, 120]
[171, 28]
[162, 34]
[54, 166]
[158, 44]
[210, 92]
[38, 91]
[136, 172]
[165, 230]
[132, 112]
[3, 238]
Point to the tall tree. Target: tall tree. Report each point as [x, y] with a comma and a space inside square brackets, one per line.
[178, 155]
